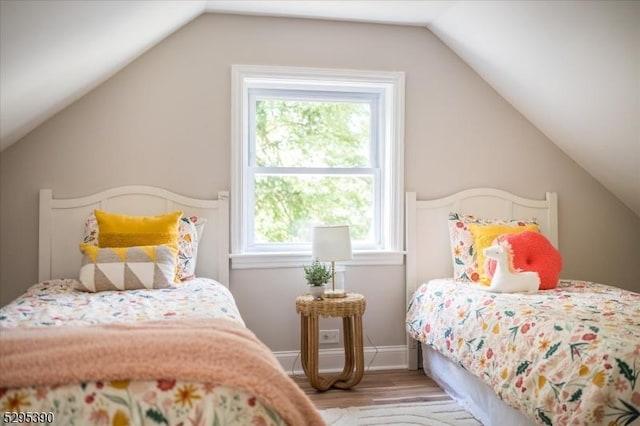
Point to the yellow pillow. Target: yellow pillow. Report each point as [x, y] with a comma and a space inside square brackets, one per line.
[118, 230]
[483, 236]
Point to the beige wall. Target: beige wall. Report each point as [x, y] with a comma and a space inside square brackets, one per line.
[164, 121]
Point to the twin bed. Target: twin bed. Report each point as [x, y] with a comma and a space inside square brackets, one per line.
[174, 355]
[565, 356]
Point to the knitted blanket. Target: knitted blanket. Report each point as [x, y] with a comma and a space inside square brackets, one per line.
[211, 351]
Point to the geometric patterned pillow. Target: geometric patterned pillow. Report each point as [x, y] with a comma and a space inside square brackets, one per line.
[189, 232]
[127, 268]
[463, 250]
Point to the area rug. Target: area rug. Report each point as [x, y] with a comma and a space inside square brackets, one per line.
[438, 413]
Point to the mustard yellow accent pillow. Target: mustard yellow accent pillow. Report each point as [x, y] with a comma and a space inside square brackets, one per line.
[119, 230]
[483, 236]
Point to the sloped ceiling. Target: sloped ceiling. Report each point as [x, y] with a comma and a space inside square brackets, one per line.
[52, 52]
[572, 68]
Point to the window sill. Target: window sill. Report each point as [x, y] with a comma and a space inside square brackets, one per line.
[297, 260]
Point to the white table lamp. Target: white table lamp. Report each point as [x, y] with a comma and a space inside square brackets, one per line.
[331, 244]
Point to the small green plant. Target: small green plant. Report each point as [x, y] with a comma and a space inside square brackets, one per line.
[317, 273]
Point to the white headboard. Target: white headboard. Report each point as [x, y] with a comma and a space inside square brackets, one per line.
[427, 233]
[62, 221]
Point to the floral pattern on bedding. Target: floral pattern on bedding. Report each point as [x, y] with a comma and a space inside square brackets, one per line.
[166, 402]
[567, 356]
[57, 302]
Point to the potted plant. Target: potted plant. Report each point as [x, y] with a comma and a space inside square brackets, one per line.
[317, 275]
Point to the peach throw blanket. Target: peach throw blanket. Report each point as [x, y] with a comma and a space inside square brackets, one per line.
[209, 351]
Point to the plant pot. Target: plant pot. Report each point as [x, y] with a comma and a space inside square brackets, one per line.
[317, 291]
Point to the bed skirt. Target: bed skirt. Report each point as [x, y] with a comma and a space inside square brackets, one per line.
[470, 392]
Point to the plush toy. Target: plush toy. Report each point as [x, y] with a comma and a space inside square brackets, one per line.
[506, 281]
[530, 251]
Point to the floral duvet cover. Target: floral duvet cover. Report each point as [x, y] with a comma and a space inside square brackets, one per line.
[127, 402]
[567, 356]
[57, 302]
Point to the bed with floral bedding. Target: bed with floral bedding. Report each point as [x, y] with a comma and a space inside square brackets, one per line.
[565, 356]
[138, 337]
[120, 400]
[568, 354]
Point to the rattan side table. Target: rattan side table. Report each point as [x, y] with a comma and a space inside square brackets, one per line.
[350, 308]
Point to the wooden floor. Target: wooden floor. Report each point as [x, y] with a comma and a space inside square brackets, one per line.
[377, 387]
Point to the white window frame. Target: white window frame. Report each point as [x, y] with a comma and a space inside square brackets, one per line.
[390, 85]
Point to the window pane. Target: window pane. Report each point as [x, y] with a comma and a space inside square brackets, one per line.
[287, 207]
[293, 133]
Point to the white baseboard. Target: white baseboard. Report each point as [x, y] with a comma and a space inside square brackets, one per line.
[332, 360]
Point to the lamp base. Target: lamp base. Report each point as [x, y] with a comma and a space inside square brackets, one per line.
[334, 294]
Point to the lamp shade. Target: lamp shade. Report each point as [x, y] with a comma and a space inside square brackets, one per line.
[331, 243]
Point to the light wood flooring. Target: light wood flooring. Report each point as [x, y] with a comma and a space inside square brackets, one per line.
[377, 387]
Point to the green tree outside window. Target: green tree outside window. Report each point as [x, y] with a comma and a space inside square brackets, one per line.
[314, 166]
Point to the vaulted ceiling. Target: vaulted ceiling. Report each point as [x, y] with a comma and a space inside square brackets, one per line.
[572, 68]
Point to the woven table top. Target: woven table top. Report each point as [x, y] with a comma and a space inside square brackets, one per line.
[352, 304]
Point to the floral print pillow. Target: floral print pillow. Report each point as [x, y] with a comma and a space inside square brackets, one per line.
[189, 231]
[463, 250]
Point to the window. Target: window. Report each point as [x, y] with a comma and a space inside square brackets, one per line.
[315, 147]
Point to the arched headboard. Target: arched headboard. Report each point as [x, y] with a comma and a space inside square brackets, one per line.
[61, 226]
